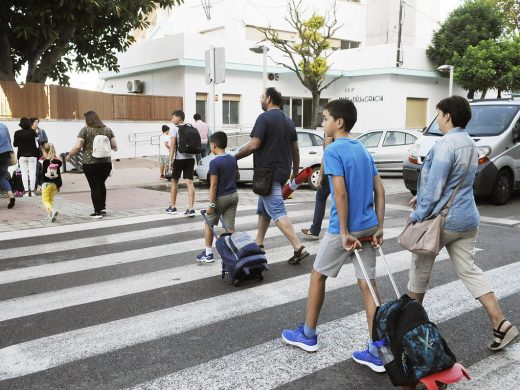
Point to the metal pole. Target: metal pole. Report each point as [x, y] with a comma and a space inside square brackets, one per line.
[451, 82]
[264, 67]
[399, 33]
[212, 90]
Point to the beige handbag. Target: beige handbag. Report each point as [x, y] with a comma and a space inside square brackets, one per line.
[424, 238]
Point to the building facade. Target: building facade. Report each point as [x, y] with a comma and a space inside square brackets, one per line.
[389, 90]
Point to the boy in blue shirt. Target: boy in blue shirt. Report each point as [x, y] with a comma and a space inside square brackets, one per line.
[223, 196]
[355, 185]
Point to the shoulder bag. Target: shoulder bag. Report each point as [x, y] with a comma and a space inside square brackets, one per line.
[424, 237]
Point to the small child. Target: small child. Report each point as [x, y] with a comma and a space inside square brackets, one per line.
[223, 196]
[164, 151]
[51, 179]
[355, 186]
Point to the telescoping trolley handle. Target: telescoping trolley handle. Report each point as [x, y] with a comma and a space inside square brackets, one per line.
[203, 213]
[361, 265]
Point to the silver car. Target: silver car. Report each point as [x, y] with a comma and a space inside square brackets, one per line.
[311, 154]
[389, 147]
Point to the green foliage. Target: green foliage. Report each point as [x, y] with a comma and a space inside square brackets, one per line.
[53, 37]
[510, 10]
[474, 21]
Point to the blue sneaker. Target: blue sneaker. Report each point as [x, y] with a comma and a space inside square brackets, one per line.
[297, 338]
[171, 210]
[204, 258]
[366, 358]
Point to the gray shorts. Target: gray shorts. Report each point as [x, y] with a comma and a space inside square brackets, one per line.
[163, 159]
[331, 255]
[227, 209]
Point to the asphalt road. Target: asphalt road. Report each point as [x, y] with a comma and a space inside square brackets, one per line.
[119, 304]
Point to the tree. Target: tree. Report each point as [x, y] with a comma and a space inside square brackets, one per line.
[510, 10]
[53, 37]
[308, 55]
[474, 21]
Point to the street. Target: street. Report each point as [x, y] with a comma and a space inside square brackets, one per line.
[121, 303]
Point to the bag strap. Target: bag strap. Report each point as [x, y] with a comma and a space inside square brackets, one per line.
[452, 197]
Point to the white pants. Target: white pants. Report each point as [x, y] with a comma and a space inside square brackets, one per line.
[28, 169]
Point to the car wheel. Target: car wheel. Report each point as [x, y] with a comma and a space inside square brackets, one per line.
[502, 188]
[313, 179]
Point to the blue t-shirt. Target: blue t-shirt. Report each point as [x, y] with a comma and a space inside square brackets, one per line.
[225, 167]
[350, 159]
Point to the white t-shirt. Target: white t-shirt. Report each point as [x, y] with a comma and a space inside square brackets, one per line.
[178, 155]
[165, 138]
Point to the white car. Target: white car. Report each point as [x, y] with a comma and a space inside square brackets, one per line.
[389, 148]
[311, 154]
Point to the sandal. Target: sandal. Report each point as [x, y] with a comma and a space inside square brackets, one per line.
[309, 234]
[262, 247]
[503, 338]
[299, 255]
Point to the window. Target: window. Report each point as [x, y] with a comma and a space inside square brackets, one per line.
[410, 139]
[230, 109]
[318, 141]
[371, 140]
[304, 139]
[200, 105]
[394, 138]
[345, 44]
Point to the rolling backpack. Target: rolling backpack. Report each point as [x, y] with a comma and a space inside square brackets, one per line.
[188, 139]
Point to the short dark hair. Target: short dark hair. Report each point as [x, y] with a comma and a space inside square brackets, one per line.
[458, 108]
[179, 113]
[276, 97]
[34, 119]
[197, 117]
[219, 138]
[165, 128]
[25, 123]
[344, 109]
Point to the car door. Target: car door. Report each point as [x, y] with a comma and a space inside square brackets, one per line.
[309, 152]
[394, 150]
[245, 166]
[372, 140]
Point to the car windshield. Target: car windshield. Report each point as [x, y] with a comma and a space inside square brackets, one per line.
[486, 120]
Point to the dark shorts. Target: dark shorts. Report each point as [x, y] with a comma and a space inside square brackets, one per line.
[185, 167]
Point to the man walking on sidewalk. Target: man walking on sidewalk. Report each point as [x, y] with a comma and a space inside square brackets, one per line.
[274, 145]
[182, 163]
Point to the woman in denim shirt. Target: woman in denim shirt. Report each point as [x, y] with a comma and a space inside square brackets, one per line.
[444, 167]
[5, 157]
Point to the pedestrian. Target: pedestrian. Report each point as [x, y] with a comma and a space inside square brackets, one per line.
[355, 185]
[164, 150]
[6, 150]
[322, 194]
[203, 129]
[181, 163]
[51, 179]
[41, 139]
[223, 196]
[445, 166]
[274, 145]
[95, 139]
[28, 154]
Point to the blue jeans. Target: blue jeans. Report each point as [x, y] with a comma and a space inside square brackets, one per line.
[4, 164]
[272, 206]
[322, 194]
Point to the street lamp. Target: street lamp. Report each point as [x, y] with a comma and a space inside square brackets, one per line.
[448, 68]
[262, 50]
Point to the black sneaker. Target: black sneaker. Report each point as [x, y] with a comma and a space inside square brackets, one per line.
[96, 215]
[11, 203]
[104, 212]
[189, 213]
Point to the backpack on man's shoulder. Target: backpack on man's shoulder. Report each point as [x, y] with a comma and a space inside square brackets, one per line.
[101, 147]
[188, 139]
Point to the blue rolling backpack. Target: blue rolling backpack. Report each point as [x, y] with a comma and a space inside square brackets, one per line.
[242, 259]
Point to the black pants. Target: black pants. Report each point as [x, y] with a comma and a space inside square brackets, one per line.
[96, 175]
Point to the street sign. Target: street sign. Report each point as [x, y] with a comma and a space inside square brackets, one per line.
[217, 72]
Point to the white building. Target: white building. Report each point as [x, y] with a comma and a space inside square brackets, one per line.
[169, 60]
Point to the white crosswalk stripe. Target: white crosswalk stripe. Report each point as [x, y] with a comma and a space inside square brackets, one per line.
[42, 354]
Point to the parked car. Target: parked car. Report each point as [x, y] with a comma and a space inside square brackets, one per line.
[495, 127]
[311, 154]
[389, 148]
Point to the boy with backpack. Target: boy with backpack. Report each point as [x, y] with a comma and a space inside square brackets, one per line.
[354, 184]
[184, 145]
[223, 196]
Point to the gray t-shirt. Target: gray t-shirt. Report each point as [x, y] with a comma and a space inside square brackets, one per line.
[178, 155]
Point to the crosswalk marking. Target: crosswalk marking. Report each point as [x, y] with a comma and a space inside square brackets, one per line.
[338, 340]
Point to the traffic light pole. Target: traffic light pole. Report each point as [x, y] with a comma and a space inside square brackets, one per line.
[212, 123]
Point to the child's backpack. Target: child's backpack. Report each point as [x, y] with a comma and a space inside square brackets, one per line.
[52, 171]
[416, 344]
[101, 147]
[188, 139]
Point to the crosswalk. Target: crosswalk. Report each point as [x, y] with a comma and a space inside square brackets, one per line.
[121, 304]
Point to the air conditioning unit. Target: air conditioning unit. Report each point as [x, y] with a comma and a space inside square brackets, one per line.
[135, 86]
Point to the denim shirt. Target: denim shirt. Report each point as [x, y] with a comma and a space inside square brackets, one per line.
[443, 168]
[5, 139]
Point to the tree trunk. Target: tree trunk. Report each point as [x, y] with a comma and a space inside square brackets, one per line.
[499, 93]
[484, 93]
[6, 62]
[315, 114]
